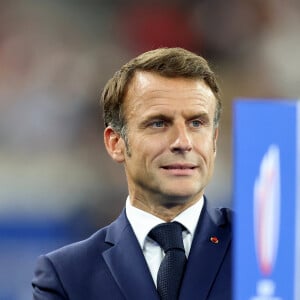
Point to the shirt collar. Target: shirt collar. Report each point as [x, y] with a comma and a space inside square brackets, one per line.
[142, 222]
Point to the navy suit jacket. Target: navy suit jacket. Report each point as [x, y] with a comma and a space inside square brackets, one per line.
[110, 265]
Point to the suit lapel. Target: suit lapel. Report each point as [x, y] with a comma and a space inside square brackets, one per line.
[126, 262]
[206, 257]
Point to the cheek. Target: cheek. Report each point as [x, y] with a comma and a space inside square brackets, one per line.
[152, 153]
[152, 147]
[206, 148]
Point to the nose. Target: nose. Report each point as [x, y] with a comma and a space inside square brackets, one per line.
[181, 140]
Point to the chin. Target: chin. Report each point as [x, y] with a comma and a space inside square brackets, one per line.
[183, 188]
[181, 196]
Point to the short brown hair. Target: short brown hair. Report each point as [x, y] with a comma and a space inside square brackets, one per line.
[168, 62]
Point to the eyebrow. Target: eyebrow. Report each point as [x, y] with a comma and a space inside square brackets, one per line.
[203, 116]
[199, 115]
[165, 117]
[158, 116]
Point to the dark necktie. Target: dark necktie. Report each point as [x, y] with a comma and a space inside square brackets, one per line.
[170, 273]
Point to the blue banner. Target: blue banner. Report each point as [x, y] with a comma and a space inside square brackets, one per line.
[266, 199]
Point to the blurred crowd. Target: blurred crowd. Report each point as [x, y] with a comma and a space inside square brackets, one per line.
[55, 57]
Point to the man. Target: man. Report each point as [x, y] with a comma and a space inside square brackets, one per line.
[161, 112]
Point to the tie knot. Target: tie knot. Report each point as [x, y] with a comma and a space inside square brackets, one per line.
[168, 236]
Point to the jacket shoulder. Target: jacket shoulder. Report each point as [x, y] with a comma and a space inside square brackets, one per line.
[222, 216]
[93, 245]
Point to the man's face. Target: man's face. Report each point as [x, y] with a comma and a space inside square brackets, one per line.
[171, 138]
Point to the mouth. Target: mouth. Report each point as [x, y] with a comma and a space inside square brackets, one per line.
[179, 169]
[179, 166]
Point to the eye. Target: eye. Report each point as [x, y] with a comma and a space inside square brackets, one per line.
[196, 123]
[157, 124]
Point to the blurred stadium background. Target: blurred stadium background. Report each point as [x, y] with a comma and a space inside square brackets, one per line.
[58, 184]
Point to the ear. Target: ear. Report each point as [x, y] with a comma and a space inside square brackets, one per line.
[215, 138]
[114, 144]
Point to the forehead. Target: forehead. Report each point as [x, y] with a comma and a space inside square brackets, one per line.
[149, 90]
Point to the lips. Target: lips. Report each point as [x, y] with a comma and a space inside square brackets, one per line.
[178, 169]
[179, 166]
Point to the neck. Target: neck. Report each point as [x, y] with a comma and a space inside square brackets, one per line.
[166, 210]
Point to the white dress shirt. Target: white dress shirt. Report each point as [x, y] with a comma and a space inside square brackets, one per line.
[142, 223]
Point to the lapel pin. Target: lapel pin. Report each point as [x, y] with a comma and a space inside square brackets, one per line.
[214, 240]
